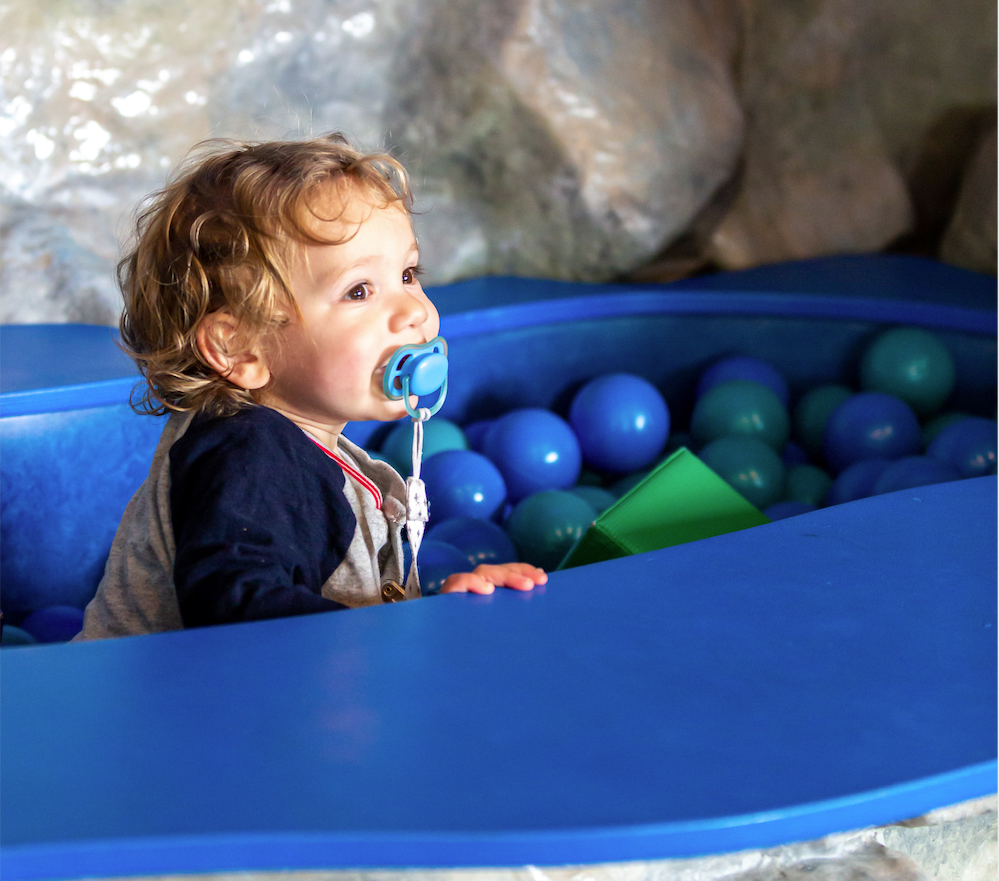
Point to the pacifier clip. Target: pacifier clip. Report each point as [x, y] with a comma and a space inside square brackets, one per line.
[417, 370]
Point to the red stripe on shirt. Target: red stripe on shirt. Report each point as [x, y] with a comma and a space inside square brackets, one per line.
[353, 472]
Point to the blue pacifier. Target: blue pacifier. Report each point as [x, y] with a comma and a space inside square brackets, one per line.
[418, 369]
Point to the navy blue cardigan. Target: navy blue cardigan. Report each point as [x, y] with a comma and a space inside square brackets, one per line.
[259, 517]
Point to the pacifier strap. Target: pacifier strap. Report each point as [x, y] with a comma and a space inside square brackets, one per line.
[417, 507]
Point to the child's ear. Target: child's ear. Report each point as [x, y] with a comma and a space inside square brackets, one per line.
[218, 340]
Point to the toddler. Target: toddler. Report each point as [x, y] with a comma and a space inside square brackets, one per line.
[268, 287]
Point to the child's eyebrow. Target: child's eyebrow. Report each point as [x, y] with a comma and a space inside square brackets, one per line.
[362, 262]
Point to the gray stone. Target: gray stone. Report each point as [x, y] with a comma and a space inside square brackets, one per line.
[970, 239]
[557, 139]
[839, 96]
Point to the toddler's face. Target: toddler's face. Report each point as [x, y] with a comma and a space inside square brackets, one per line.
[360, 301]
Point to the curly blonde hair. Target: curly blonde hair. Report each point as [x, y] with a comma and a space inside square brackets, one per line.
[219, 236]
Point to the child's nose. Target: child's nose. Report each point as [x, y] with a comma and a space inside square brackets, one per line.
[410, 311]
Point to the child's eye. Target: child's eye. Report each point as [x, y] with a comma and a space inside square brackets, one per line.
[411, 274]
[360, 292]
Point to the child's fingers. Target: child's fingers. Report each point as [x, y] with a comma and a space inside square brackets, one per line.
[487, 577]
[467, 582]
[519, 576]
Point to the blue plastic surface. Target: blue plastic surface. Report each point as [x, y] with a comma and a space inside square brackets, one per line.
[820, 673]
[816, 674]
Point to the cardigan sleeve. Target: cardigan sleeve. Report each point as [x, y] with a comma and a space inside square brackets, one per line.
[260, 519]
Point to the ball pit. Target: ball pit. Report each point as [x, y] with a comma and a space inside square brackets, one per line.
[528, 671]
[742, 428]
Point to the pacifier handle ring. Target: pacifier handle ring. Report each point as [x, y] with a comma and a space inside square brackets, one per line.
[422, 414]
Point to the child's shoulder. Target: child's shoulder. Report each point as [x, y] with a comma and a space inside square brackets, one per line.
[252, 435]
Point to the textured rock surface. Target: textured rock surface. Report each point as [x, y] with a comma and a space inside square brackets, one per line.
[957, 845]
[840, 97]
[970, 240]
[558, 138]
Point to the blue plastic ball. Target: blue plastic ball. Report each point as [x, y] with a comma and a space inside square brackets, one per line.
[462, 483]
[435, 562]
[969, 446]
[938, 423]
[481, 541]
[545, 525]
[475, 433]
[54, 623]
[794, 454]
[534, 450]
[744, 367]
[870, 425]
[856, 481]
[438, 435]
[621, 420]
[789, 508]
[912, 471]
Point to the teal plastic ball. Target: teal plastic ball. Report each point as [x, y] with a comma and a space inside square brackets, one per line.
[749, 465]
[626, 484]
[911, 364]
[15, 636]
[808, 484]
[545, 526]
[600, 498]
[438, 435]
[740, 407]
[811, 414]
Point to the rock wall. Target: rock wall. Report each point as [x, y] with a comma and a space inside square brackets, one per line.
[577, 139]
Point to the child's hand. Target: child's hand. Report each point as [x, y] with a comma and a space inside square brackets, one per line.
[486, 578]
